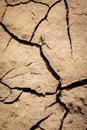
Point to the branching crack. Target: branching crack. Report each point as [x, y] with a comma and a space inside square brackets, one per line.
[41, 128]
[39, 122]
[59, 87]
[25, 42]
[33, 44]
[43, 19]
[32, 91]
[58, 97]
[23, 89]
[58, 100]
[64, 106]
[6, 85]
[13, 101]
[21, 74]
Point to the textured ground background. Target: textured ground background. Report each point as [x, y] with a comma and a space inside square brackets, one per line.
[43, 65]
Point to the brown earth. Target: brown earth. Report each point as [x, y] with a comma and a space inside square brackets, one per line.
[43, 65]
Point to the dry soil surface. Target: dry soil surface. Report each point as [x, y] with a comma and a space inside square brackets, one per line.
[43, 64]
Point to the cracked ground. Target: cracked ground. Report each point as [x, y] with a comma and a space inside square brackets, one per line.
[43, 65]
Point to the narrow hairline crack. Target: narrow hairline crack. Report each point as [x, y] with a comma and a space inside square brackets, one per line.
[46, 15]
[7, 45]
[4, 14]
[81, 14]
[7, 73]
[20, 74]
[23, 89]
[10, 70]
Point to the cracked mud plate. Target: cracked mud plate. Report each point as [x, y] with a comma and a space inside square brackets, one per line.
[43, 65]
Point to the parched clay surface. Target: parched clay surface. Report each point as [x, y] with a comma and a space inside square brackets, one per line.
[43, 65]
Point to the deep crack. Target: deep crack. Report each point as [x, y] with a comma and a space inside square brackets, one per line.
[64, 106]
[32, 91]
[39, 122]
[49, 67]
[68, 24]
[75, 84]
[17, 4]
[25, 42]
[59, 87]
[26, 2]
